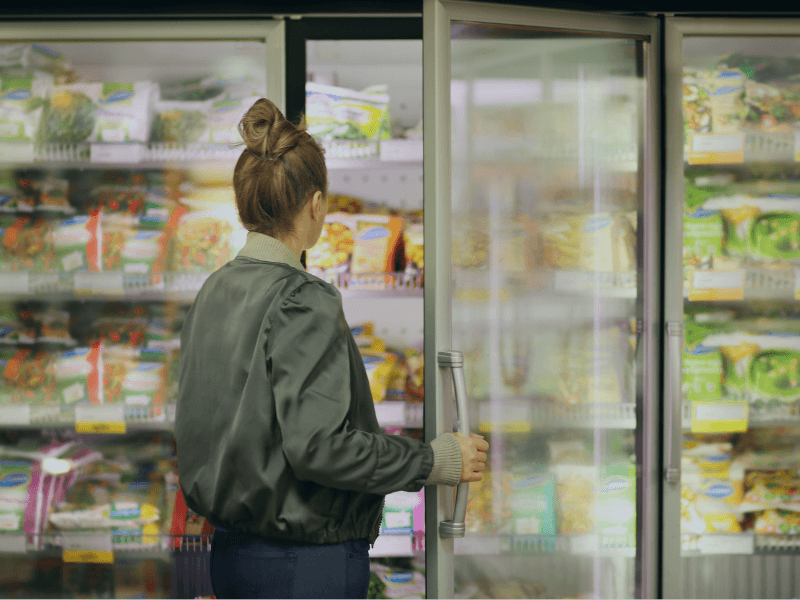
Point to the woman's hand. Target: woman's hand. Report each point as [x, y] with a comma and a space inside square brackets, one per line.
[473, 456]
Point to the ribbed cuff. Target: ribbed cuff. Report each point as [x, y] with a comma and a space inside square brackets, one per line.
[446, 461]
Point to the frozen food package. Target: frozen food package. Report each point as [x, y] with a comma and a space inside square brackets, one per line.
[341, 113]
[42, 60]
[615, 501]
[777, 521]
[120, 204]
[13, 329]
[480, 518]
[415, 381]
[379, 367]
[54, 196]
[133, 382]
[770, 107]
[413, 244]
[98, 112]
[115, 331]
[175, 121]
[760, 368]
[12, 199]
[703, 238]
[532, 502]
[702, 365]
[202, 242]
[375, 244]
[26, 244]
[696, 102]
[22, 98]
[760, 229]
[592, 371]
[226, 113]
[27, 376]
[607, 243]
[398, 513]
[332, 253]
[726, 96]
[396, 386]
[771, 490]
[711, 501]
[344, 203]
[561, 237]
[15, 480]
[77, 243]
[77, 375]
[134, 251]
[575, 487]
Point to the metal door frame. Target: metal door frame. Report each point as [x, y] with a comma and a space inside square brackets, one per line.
[437, 15]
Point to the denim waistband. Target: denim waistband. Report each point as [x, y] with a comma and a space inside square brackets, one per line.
[242, 538]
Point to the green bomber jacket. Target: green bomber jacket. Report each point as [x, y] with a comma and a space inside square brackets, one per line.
[275, 424]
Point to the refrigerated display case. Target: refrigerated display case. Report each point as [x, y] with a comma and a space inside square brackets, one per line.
[733, 191]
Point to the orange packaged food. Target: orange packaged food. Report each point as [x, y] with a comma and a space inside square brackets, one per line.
[376, 242]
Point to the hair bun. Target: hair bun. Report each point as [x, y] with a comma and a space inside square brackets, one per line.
[266, 132]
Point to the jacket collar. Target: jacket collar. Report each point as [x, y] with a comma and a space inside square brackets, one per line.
[263, 247]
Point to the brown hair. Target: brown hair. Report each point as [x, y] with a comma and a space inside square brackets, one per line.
[281, 168]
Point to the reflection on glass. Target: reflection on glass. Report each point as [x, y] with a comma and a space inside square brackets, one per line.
[546, 171]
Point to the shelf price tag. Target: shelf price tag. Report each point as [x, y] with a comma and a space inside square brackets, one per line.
[15, 414]
[727, 543]
[116, 153]
[87, 548]
[15, 283]
[100, 418]
[716, 285]
[719, 417]
[716, 149]
[16, 152]
[106, 283]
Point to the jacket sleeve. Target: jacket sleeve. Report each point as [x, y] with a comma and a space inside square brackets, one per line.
[308, 361]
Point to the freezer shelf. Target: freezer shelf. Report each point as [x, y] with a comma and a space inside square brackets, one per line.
[523, 415]
[60, 416]
[739, 543]
[786, 415]
[392, 413]
[175, 286]
[583, 544]
[744, 284]
[605, 284]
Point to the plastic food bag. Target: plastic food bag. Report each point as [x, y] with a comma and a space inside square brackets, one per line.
[772, 490]
[77, 375]
[26, 376]
[137, 251]
[342, 113]
[711, 502]
[12, 200]
[77, 243]
[54, 196]
[776, 521]
[133, 382]
[202, 242]
[379, 367]
[26, 244]
[22, 99]
[98, 112]
[332, 253]
[375, 244]
[413, 242]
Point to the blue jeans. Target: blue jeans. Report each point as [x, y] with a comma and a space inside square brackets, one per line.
[246, 566]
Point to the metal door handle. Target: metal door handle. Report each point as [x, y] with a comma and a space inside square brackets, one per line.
[672, 471]
[455, 361]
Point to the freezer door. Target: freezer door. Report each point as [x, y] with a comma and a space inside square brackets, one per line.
[540, 236]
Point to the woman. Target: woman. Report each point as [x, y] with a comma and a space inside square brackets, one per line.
[278, 443]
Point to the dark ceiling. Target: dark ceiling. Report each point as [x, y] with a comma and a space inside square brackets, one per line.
[237, 8]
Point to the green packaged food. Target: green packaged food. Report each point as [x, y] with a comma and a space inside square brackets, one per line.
[77, 375]
[21, 104]
[341, 113]
[77, 243]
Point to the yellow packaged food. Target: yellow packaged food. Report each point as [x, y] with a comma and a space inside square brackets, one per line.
[375, 245]
[343, 203]
[202, 242]
[379, 367]
[396, 387]
[711, 501]
[415, 380]
[333, 251]
[776, 521]
[413, 243]
[575, 492]
[772, 490]
[607, 243]
[561, 240]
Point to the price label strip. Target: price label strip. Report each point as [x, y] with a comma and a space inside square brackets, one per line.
[716, 285]
[117, 153]
[87, 548]
[727, 544]
[100, 418]
[107, 283]
[15, 414]
[719, 417]
[716, 149]
[15, 283]
[16, 152]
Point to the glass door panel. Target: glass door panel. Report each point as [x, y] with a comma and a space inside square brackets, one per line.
[741, 411]
[547, 195]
